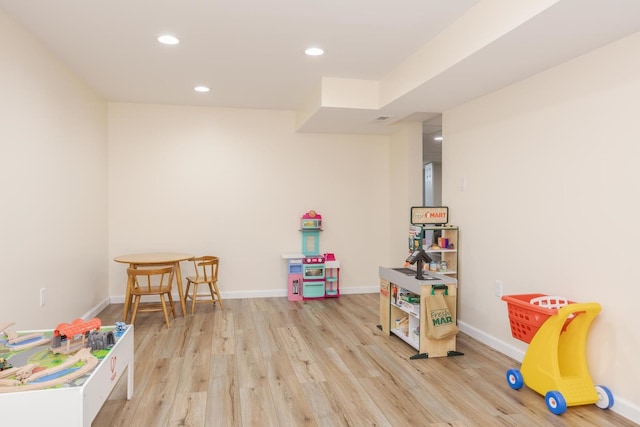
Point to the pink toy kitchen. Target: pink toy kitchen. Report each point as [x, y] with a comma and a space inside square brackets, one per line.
[312, 274]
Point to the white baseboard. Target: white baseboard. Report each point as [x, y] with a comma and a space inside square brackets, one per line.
[283, 293]
[270, 293]
[361, 290]
[97, 309]
[491, 341]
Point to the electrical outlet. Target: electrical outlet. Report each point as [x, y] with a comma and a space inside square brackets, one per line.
[498, 289]
[43, 296]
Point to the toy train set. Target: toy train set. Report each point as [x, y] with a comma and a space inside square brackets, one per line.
[77, 341]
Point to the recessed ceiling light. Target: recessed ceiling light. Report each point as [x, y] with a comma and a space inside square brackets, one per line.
[314, 51]
[168, 39]
[201, 89]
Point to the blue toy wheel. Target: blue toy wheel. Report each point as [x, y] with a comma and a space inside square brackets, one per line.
[555, 402]
[605, 397]
[514, 378]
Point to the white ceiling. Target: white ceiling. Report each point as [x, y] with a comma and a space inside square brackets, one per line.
[250, 52]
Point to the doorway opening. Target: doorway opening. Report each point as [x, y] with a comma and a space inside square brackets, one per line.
[432, 161]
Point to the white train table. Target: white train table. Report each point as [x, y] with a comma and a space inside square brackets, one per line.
[71, 404]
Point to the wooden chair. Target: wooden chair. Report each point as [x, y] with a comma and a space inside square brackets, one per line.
[206, 268]
[152, 281]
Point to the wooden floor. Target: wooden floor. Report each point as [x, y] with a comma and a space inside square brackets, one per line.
[271, 362]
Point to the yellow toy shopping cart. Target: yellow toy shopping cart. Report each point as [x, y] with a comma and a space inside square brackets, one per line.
[555, 363]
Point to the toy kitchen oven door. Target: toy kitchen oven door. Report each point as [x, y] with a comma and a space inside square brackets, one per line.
[313, 279]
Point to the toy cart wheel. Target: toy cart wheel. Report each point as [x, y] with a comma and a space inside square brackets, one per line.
[555, 402]
[605, 397]
[514, 378]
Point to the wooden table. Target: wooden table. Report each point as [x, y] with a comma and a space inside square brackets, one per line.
[154, 259]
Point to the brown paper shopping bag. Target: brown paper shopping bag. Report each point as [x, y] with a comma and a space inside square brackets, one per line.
[440, 311]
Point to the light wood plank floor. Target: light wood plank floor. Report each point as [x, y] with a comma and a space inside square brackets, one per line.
[271, 362]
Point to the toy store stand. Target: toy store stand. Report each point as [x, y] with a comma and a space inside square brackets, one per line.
[555, 363]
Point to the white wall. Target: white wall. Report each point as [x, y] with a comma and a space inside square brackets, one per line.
[552, 204]
[405, 156]
[53, 182]
[234, 183]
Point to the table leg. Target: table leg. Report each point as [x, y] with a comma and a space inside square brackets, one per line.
[127, 299]
[183, 302]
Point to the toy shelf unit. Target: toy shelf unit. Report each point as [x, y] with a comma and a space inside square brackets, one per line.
[332, 276]
[440, 242]
[405, 315]
[555, 363]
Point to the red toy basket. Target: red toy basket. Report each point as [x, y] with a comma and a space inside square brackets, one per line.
[526, 316]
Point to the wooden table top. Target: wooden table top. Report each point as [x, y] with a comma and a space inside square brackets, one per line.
[153, 257]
